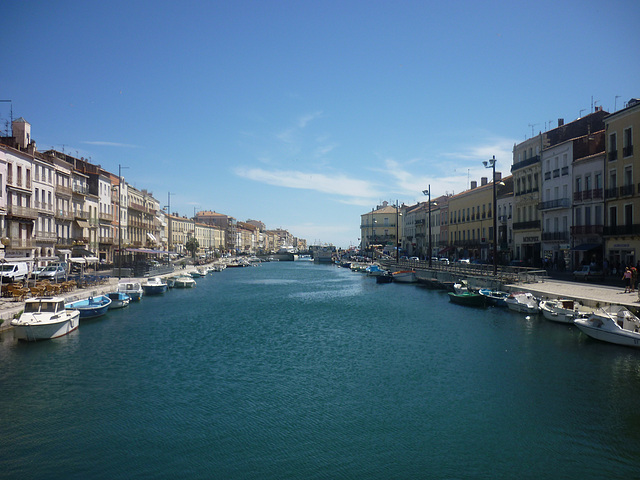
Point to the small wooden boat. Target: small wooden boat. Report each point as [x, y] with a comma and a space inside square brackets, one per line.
[468, 299]
[91, 307]
[405, 276]
[44, 318]
[118, 300]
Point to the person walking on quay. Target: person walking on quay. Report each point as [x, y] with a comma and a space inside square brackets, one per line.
[634, 278]
[627, 280]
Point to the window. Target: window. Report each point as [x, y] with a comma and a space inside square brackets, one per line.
[628, 175]
[627, 142]
[578, 217]
[598, 211]
[613, 216]
[578, 184]
[587, 182]
[598, 180]
[628, 215]
[587, 215]
[613, 147]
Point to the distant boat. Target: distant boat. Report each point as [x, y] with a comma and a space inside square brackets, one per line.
[91, 307]
[615, 324]
[154, 286]
[44, 318]
[468, 299]
[384, 278]
[118, 300]
[131, 288]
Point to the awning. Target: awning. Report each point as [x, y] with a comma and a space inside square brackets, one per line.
[82, 252]
[83, 223]
[146, 250]
[445, 250]
[77, 260]
[64, 251]
[585, 247]
[92, 259]
[151, 237]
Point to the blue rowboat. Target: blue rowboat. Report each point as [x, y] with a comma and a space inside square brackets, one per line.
[91, 307]
[118, 300]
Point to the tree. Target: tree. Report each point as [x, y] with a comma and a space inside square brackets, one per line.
[192, 246]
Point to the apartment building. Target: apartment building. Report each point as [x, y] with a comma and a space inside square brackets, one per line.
[622, 185]
[381, 227]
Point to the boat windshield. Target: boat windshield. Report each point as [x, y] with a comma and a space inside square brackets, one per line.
[31, 307]
[49, 307]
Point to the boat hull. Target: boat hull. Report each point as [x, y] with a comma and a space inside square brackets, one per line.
[468, 299]
[154, 289]
[405, 277]
[92, 307]
[622, 337]
[32, 332]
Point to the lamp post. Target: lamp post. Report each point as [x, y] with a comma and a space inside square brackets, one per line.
[169, 232]
[491, 163]
[397, 233]
[428, 193]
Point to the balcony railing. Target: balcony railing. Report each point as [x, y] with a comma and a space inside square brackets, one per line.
[565, 171]
[526, 225]
[611, 193]
[136, 206]
[627, 151]
[22, 243]
[622, 230]
[107, 240]
[612, 155]
[46, 236]
[64, 215]
[555, 236]
[46, 207]
[587, 230]
[105, 217]
[556, 173]
[63, 190]
[19, 211]
[79, 189]
[81, 214]
[558, 203]
[525, 163]
[627, 190]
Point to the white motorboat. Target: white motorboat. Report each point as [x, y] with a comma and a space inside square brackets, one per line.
[118, 300]
[44, 318]
[405, 276]
[562, 310]
[523, 302]
[131, 288]
[155, 286]
[184, 281]
[615, 324]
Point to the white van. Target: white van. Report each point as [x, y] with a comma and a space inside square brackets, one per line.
[14, 272]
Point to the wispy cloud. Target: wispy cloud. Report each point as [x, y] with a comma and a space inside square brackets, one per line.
[110, 144]
[338, 185]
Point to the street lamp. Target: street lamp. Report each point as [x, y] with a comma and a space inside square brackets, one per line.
[492, 164]
[428, 193]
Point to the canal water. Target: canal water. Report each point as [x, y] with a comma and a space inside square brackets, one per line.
[292, 370]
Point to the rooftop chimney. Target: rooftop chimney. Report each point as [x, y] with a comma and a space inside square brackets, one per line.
[474, 184]
[560, 122]
[483, 181]
[498, 176]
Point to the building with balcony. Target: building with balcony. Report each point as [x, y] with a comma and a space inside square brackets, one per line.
[381, 227]
[225, 222]
[622, 185]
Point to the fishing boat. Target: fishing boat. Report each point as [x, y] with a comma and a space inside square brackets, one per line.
[468, 299]
[562, 310]
[118, 300]
[614, 324]
[460, 287]
[523, 302]
[155, 286]
[184, 281]
[494, 297]
[91, 307]
[44, 318]
[405, 276]
[131, 288]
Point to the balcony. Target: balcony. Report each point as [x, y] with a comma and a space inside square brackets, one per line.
[533, 224]
[627, 151]
[106, 240]
[79, 189]
[525, 163]
[622, 230]
[22, 243]
[553, 204]
[46, 236]
[555, 236]
[43, 207]
[64, 215]
[63, 190]
[587, 230]
[556, 173]
[22, 212]
[611, 193]
[547, 175]
[612, 155]
[565, 171]
[627, 190]
[81, 214]
[105, 217]
[137, 206]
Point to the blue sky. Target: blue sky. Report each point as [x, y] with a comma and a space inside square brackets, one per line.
[303, 114]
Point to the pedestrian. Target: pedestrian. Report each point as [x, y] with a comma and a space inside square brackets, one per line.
[634, 278]
[627, 280]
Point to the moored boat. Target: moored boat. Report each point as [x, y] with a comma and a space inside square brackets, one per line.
[118, 300]
[184, 281]
[614, 324]
[155, 286]
[44, 318]
[405, 276]
[91, 307]
[562, 310]
[468, 299]
[494, 297]
[523, 302]
[386, 277]
[131, 288]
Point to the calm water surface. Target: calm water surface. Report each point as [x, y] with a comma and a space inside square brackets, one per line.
[303, 371]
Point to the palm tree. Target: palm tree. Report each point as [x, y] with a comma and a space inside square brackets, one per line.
[192, 246]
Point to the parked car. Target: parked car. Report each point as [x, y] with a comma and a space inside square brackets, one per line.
[587, 272]
[445, 261]
[54, 273]
[464, 260]
[414, 259]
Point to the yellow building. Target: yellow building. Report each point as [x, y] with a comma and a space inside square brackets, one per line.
[471, 220]
[622, 176]
[381, 227]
